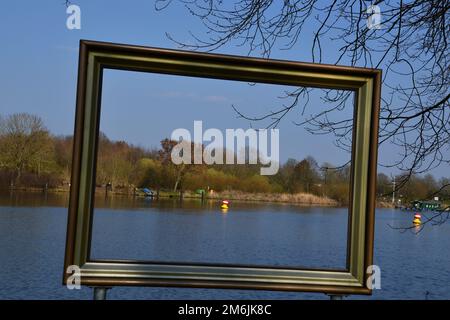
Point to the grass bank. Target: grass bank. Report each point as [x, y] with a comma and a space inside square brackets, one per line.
[297, 198]
[305, 199]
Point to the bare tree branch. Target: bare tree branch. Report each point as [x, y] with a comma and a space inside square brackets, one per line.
[411, 46]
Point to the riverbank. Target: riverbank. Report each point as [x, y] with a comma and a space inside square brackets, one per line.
[303, 199]
[306, 199]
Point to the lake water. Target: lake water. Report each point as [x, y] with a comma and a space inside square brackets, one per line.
[33, 227]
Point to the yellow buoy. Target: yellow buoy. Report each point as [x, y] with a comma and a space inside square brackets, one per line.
[417, 219]
[225, 204]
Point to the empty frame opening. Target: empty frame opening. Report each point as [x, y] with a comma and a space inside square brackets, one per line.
[149, 207]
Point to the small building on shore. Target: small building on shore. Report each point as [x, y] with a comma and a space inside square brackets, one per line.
[426, 205]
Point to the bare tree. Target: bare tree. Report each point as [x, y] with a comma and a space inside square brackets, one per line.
[25, 143]
[410, 45]
[180, 170]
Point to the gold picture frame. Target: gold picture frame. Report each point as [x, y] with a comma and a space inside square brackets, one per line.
[366, 83]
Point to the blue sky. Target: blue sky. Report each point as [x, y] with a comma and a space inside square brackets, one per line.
[38, 70]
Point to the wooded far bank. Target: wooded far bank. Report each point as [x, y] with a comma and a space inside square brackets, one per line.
[30, 156]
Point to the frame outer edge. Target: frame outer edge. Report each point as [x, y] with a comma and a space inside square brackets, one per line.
[87, 46]
[76, 159]
[227, 58]
[371, 188]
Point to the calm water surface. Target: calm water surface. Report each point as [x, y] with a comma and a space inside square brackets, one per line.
[33, 227]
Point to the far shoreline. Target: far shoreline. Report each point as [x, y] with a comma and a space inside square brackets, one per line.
[300, 199]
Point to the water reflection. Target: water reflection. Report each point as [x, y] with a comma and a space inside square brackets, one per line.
[33, 231]
[192, 231]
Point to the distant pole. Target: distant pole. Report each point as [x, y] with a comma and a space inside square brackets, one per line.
[325, 181]
[108, 187]
[393, 190]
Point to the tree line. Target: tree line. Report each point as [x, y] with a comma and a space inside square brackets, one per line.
[32, 157]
